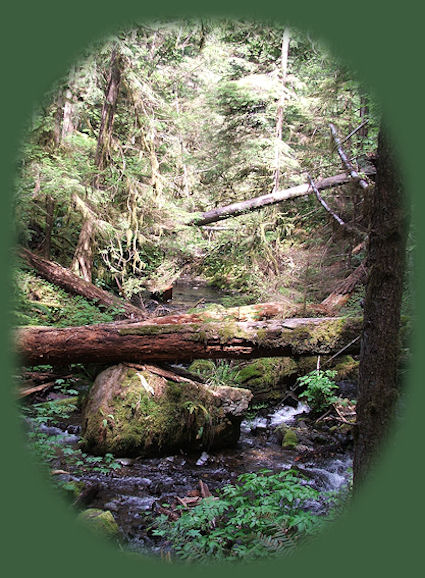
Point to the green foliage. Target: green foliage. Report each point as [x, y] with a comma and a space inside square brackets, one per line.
[49, 449]
[262, 515]
[38, 302]
[319, 388]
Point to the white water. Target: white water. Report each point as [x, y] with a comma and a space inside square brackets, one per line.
[284, 414]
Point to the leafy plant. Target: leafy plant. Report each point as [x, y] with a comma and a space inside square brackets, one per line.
[262, 515]
[319, 389]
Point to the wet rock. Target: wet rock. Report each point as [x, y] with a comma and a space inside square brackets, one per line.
[203, 459]
[268, 378]
[101, 522]
[133, 412]
[286, 436]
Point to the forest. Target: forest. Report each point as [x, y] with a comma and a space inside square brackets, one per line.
[212, 241]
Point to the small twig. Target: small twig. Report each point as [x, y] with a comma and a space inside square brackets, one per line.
[30, 390]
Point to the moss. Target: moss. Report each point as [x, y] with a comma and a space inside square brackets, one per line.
[101, 521]
[152, 420]
[290, 439]
[346, 368]
[268, 378]
[152, 329]
[203, 367]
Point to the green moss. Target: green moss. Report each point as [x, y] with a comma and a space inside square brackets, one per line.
[101, 521]
[290, 439]
[268, 378]
[203, 367]
[148, 415]
[346, 368]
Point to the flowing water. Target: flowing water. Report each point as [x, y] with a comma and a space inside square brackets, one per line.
[141, 484]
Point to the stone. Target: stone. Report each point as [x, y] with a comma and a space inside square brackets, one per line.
[101, 521]
[131, 412]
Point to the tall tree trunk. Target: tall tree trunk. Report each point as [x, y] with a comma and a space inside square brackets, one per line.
[378, 387]
[68, 112]
[46, 245]
[104, 139]
[279, 119]
[82, 263]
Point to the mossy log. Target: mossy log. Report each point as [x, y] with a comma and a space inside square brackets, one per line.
[66, 279]
[133, 342]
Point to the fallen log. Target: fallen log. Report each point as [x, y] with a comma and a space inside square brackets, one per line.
[63, 277]
[111, 343]
[342, 292]
[256, 203]
[347, 163]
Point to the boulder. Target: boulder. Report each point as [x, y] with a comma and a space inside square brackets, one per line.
[135, 412]
[268, 378]
[102, 522]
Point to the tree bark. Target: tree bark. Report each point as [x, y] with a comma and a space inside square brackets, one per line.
[108, 112]
[279, 119]
[46, 244]
[110, 343]
[378, 386]
[62, 277]
[256, 203]
[82, 262]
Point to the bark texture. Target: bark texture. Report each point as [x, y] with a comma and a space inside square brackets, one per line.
[378, 388]
[242, 207]
[137, 342]
[62, 277]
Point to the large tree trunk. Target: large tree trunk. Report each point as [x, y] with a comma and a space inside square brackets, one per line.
[46, 245]
[111, 343]
[279, 119]
[64, 278]
[108, 112]
[82, 262]
[378, 387]
[242, 207]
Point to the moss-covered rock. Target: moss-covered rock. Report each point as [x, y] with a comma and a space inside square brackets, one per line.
[290, 439]
[268, 378]
[286, 436]
[133, 412]
[101, 521]
[202, 367]
[347, 368]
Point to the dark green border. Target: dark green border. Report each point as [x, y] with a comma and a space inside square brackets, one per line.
[382, 530]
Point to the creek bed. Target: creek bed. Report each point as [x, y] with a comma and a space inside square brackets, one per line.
[135, 491]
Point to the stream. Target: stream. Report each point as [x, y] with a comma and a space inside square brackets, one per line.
[141, 485]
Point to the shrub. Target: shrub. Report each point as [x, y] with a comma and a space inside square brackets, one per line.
[319, 388]
[262, 515]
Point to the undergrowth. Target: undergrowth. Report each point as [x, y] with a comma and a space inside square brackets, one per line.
[262, 515]
[38, 302]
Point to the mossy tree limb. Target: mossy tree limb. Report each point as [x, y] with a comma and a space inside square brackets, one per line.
[134, 342]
